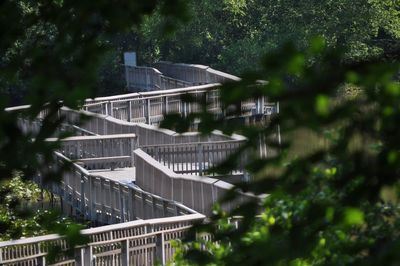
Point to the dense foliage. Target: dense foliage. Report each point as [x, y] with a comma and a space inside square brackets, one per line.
[231, 35]
[336, 204]
[25, 211]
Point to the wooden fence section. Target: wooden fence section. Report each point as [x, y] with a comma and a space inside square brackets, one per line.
[147, 134]
[131, 243]
[100, 152]
[198, 193]
[196, 158]
[168, 75]
[99, 199]
[148, 78]
[196, 74]
[151, 107]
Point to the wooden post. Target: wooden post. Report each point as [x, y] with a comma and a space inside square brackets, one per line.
[122, 204]
[165, 208]
[83, 212]
[183, 109]
[41, 261]
[258, 107]
[131, 206]
[129, 113]
[262, 105]
[84, 256]
[166, 109]
[143, 196]
[160, 249]
[125, 259]
[91, 214]
[147, 113]
[103, 208]
[112, 205]
[200, 158]
[111, 109]
[132, 149]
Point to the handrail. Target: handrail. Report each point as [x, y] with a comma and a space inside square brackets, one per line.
[149, 97]
[97, 137]
[106, 228]
[151, 93]
[193, 143]
[135, 127]
[162, 181]
[88, 174]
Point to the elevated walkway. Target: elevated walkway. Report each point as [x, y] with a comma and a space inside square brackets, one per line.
[150, 184]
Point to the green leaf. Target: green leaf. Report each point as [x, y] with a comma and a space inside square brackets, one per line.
[353, 216]
[322, 105]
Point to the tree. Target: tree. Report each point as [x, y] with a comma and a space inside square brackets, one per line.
[336, 204]
[248, 29]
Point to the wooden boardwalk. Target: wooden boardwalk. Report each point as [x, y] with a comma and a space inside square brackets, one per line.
[149, 184]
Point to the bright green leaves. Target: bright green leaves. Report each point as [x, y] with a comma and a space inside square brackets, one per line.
[322, 242]
[353, 216]
[330, 171]
[271, 220]
[321, 106]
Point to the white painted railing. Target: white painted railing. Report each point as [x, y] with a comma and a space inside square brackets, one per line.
[198, 193]
[100, 152]
[96, 198]
[147, 134]
[168, 75]
[148, 78]
[196, 74]
[196, 158]
[99, 199]
[151, 107]
[130, 243]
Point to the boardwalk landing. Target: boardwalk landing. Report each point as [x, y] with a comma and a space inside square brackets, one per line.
[122, 175]
[148, 183]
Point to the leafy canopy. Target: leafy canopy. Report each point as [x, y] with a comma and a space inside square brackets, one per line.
[335, 200]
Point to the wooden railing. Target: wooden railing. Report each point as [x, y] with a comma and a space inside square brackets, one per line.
[106, 201]
[161, 172]
[196, 74]
[196, 158]
[148, 78]
[171, 76]
[100, 152]
[198, 193]
[151, 107]
[147, 134]
[130, 243]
